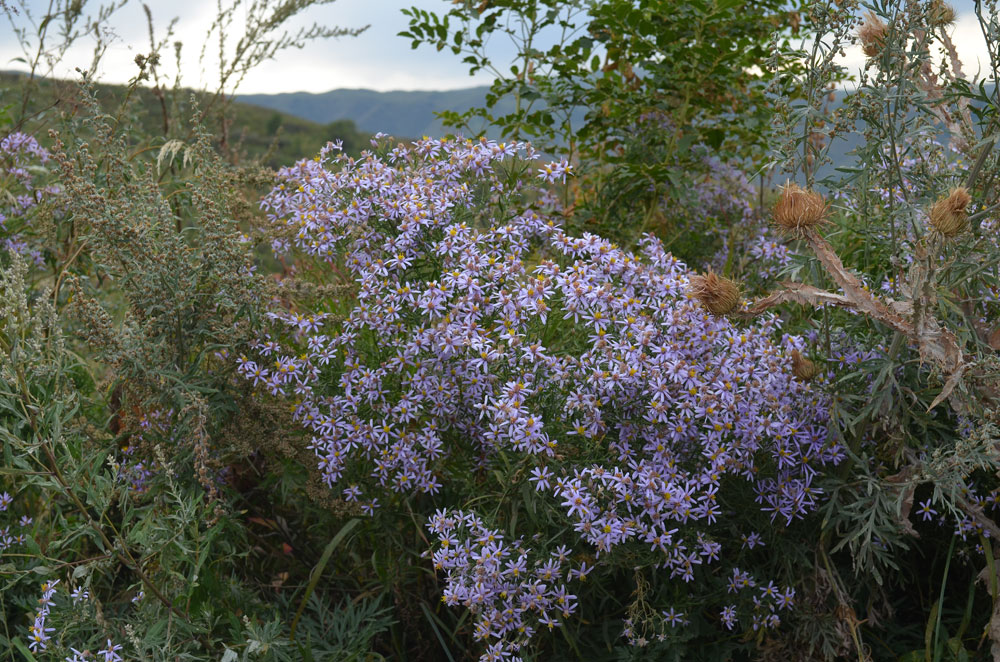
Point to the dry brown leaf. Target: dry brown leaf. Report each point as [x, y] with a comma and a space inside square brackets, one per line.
[995, 339]
[904, 511]
[949, 386]
[984, 577]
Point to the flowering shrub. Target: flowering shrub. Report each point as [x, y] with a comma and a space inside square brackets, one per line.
[484, 336]
[562, 446]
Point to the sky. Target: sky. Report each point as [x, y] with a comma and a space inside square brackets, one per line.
[378, 59]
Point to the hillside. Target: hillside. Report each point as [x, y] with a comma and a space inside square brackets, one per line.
[251, 131]
[401, 114]
[307, 120]
[411, 114]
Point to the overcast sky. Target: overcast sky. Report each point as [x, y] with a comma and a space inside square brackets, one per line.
[377, 59]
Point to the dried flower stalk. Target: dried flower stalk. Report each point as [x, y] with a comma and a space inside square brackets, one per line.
[802, 367]
[940, 13]
[872, 34]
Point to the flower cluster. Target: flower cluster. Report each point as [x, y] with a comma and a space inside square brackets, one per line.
[20, 156]
[766, 600]
[555, 171]
[510, 588]
[485, 328]
[9, 538]
[107, 654]
[135, 470]
[38, 633]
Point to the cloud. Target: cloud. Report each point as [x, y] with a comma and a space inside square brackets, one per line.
[378, 59]
[968, 40]
[971, 45]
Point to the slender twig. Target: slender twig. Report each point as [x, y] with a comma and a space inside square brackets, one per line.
[124, 556]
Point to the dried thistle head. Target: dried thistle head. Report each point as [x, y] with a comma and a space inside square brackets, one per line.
[799, 208]
[940, 13]
[718, 295]
[948, 216]
[802, 367]
[872, 34]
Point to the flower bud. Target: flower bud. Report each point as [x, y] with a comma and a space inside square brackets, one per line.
[718, 295]
[798, 209]
[872, 34]
[948, 214]
[802, 367]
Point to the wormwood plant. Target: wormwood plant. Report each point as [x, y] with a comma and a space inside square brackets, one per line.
[124, 535]
[181, 271]
[124, 438]
[100, 559]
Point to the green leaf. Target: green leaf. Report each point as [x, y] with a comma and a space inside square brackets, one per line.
[317, 570]
[19, 645]
[437, 633]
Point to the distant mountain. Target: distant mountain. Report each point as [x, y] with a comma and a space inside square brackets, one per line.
[401, 114]
[411, 114]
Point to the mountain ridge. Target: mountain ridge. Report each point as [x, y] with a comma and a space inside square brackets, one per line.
[402, 113]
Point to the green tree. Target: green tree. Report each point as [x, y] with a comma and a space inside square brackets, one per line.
[626, 88]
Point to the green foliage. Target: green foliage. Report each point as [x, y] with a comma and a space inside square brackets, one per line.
[191, 511]
[620, 61]
[626, 89]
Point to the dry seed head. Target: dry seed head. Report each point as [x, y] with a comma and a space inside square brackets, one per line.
[799, 208]
[941, 13]
[872, 34]
[718, 295]
[802, 367]
[948, 214]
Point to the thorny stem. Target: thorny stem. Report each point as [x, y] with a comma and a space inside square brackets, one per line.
[849, 616]
[937, 344]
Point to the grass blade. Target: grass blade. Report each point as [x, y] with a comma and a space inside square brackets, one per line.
[317, 570]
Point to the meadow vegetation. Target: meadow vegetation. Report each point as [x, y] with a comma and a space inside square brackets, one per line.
[632, 382]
